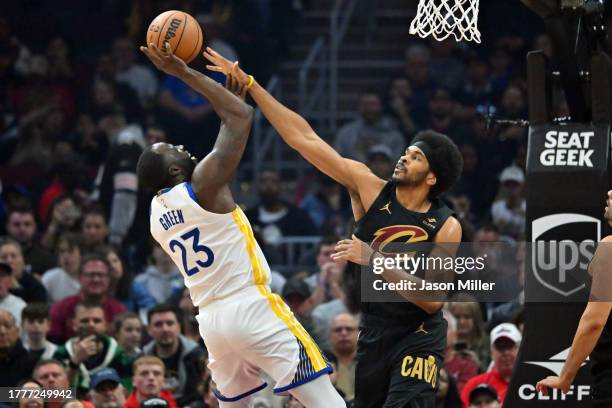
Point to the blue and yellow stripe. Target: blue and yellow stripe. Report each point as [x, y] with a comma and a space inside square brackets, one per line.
[278, 306]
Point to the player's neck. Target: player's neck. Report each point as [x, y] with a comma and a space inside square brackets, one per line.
[413, 198]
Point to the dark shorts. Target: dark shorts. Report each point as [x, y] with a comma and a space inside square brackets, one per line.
[399, 367]
[602, 389]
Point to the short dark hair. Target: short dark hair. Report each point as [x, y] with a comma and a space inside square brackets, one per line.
[152, 174]
[11, 241]
[445, 160]
[21, 209]
[96, 209]
[163, 308]
[73, 240]
[328, 240]
[121, 318]
[93, 256]
[35, 311]
[48, 361]
[88, 304]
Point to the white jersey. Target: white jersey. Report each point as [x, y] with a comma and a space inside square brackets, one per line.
[216, 253]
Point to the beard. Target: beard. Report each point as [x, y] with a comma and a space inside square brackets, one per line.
[407, 179]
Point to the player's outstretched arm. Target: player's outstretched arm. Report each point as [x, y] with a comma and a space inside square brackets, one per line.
[215, 171]
[593, 318]
[296, 132]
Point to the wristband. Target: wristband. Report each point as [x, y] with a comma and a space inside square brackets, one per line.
[251, 82]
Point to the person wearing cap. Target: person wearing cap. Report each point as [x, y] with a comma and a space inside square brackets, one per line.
[593, 338]
[409, 204]
[106, 390]
[380, 161]
[508, 213]
[484, 396]
[9, 302]
[505, 341]
[149, 375]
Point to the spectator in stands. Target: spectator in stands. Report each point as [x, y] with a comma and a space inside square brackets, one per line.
[460, 362]
[131, 293]
[21, 226]
[343, 340]
[127, 207]
[442, 107]
[179, 354]
[30, 399]
[139, 77]
[505, 341]
[499, 60]
[477, 89]
[89, 141]
[161, 278]
[326, 206]
[35, 323]
[9, 302]
[418, 71]
[15, 360]
[484, 396]
[398, 104]
[148, 380]
[94, 229]
[91, 350]
[513, 106]
[25, 285]
[127, 329]
[63, 280]
[51, 374]
[354, 139]
[189, 324]
[275, 218]
[64, 214]
[381, 161]
[94, 277]
[447, 395]
[296, 294]
[106, 389]
[471, 333]
[508, 212]
[446, 69]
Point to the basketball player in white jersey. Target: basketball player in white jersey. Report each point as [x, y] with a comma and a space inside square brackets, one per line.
[196, 221]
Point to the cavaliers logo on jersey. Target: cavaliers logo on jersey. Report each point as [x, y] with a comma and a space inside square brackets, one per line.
[397, 234]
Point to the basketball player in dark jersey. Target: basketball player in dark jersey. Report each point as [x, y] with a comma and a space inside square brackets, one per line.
[401, 344]
[594, 334]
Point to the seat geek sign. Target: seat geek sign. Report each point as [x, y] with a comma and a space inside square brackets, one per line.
[572, 146]
[567, 149]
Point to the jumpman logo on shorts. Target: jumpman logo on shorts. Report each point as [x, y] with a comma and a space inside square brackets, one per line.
[386, 207]
[421, 329]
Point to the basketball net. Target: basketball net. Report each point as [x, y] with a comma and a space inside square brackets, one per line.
[441, 18]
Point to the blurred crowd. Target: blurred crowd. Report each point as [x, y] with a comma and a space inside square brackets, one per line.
[88, 300]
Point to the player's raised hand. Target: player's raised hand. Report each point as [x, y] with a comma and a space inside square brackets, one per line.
[225, 66]
[164, 59]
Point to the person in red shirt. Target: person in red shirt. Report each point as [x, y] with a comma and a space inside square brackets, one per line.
[148, 380]
[94, 277]
[505, 341]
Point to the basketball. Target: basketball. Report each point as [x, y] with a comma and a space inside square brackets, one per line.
[182, 32]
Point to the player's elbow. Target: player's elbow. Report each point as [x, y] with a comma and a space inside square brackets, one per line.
[241, 120]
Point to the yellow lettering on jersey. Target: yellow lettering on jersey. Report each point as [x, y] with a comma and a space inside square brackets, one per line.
[406, 366]
[421, 369]
[417, 369]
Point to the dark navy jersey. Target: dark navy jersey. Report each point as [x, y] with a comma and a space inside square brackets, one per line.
[387, 222]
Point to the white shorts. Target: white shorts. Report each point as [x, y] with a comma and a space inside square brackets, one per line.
[254, 329]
